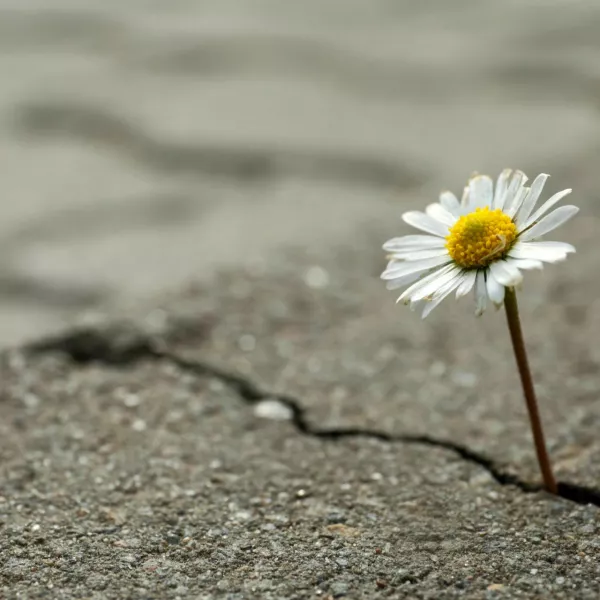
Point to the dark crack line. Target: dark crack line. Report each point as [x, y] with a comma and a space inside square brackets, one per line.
[122, 347]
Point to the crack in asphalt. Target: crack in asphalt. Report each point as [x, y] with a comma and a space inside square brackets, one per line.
[120, 347]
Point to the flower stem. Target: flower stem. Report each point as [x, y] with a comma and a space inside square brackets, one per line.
[516, 334]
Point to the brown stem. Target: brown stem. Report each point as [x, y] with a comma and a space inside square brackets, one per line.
[514, 324]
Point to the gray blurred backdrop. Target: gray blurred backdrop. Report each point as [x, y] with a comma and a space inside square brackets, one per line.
[146, 144]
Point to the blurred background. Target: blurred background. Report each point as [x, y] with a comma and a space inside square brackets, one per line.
[148, 144]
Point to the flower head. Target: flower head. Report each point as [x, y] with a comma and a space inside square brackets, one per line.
[482, 242]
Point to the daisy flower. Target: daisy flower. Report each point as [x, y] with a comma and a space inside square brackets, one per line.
[483, 242]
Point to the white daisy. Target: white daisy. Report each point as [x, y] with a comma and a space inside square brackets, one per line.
[482, 242]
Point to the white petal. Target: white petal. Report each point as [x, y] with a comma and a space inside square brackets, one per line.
[563, 246]
[516, 183]
[452, 283]
[520, 197]
[501, 187]
[442, 293]
[464, 201]
[418, 305]
[544, 251]
[542, 210]
[549, 223]
[495, 289]
[529, 203]
[439, 213]
[481, 191]
[450, 202]
[467, 283]
[429, 284]
[417, 242]
[424, 289]
[398, 282]
[525, 263]
[425, 223]
[405, 268]
[419, 254]
[480, 293]
[505, 273]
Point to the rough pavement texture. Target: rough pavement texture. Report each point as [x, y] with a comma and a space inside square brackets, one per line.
[132, 468]
[281, 429]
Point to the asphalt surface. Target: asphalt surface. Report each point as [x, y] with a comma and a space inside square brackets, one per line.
[206, 391]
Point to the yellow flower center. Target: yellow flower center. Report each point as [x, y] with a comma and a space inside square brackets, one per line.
[480, 237]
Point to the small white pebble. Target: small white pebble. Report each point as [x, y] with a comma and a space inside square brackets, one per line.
[31, 401]
[139, 425]
[560, 580]
[464, 379]
[316, 278]
[274, 410]
[35, 527]
[131, 400]
[242, 515]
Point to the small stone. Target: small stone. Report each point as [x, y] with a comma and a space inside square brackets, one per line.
[151, 564]
[242, 515]
[560, 580]
[278, 519]
[339, 589]
[131, 400]
[343, 530]
[128, 558]
[215, 532]
[316, 278]
[336, 517]
[464, 379]
[172, 538]
[273, 409]
[139, 425]
[181, 590]
[31, 401]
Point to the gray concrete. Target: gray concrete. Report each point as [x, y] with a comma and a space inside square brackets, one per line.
[132, 468]
[213, 180]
